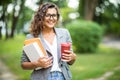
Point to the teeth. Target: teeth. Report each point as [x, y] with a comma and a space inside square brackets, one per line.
[51, 22]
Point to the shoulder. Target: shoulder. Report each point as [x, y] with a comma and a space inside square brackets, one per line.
[28, 36]
[61, 30]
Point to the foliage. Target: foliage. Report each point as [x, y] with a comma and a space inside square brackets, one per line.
[107, 13]
[5, 2]
[58, 3]
[25, 17]
[81, 8]
[86, 35]
[65, 13]
[115, 28]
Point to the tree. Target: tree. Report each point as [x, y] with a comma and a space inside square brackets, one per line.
[3, 18]
[108, 14]
[87, 8]
[16, 17]
[103, 12]
[90, 6]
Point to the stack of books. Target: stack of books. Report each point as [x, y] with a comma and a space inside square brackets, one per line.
[34, 49]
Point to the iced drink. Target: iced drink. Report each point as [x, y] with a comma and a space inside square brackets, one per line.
[65, 46]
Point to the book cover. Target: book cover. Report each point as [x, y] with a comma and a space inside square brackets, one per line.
[34, 49]
[33, 52]
[29, 41]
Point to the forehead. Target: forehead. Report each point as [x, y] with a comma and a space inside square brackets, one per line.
[51, 10]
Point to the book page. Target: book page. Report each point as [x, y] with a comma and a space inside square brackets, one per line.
[33, 52]
[29, 41]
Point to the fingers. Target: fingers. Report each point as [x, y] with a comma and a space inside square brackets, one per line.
[67, 51]
[45, 62]
[67, 56]
[48, 62]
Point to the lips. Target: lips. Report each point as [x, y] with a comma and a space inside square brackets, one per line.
[51, 22]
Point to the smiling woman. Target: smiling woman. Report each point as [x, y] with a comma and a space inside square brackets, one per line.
[43, 27]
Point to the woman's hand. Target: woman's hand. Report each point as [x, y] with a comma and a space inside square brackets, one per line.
[68, 56]
[43, 62]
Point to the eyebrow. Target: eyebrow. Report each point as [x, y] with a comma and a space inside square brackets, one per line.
[51, 13]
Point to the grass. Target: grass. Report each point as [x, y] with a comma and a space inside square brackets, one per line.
[86, 66]
[94, 65]
[10, 54]
[116, 76]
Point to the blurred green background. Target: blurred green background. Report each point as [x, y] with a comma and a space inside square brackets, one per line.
[89, 22]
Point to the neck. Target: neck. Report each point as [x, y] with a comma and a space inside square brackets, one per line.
[48, 30]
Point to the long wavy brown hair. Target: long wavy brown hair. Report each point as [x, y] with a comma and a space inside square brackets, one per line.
[37, 23]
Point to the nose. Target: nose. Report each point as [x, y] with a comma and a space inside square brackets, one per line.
[51, 17]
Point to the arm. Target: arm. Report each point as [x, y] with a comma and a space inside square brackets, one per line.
[71, 56]
[28, 65]
[25, 62]
[43, 62]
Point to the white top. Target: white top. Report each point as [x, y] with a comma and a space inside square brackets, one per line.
[53, 49]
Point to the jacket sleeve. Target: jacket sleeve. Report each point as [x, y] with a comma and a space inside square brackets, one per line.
[24, 57]
[68, 38]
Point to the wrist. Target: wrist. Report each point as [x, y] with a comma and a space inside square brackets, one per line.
[34, 64]
[73, 59]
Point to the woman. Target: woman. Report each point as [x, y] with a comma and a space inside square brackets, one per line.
[43, 26]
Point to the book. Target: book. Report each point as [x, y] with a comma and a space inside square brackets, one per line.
[29, 41]
[34, 49]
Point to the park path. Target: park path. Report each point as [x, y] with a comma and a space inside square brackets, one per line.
[6, 74]
[111, 42]
[107, 74]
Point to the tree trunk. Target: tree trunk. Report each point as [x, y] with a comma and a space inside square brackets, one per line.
[0, 32]
[4, 18]
[14, 21]
[6, 28]
[15, 18]
[90, 6]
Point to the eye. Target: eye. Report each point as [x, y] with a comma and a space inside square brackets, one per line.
[47, 15]
[51, 15]
[54, 15]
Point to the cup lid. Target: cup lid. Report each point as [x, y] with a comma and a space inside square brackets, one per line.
[66, 44]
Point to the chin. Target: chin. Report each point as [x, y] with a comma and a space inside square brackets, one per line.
[51, 26]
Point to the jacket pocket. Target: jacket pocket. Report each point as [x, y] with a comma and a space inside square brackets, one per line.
[66, 72]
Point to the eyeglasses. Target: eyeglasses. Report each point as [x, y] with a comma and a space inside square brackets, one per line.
[52, 15]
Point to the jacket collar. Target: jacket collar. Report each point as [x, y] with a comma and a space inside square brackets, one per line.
[58, 36]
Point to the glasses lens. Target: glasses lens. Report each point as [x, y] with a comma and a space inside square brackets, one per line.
[51, 15]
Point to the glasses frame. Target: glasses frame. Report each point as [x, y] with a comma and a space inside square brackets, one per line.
[54, 16]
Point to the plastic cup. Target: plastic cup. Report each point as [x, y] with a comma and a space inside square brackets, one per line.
[65, 46]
